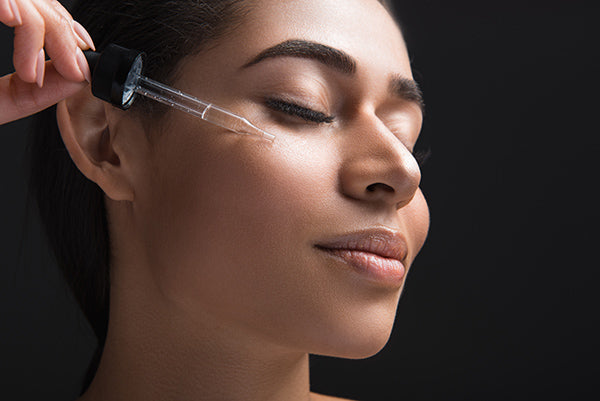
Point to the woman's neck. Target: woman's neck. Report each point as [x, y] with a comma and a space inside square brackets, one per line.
[155, 351]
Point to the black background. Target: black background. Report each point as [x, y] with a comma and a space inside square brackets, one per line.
[501, 303]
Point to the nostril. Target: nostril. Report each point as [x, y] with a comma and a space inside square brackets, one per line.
[379, 186]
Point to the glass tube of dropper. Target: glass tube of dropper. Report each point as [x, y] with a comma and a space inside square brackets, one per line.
[192, 105]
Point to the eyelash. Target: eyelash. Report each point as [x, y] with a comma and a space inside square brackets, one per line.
[421, 156]
[299, 111]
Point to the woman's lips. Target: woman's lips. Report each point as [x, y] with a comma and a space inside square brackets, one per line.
[378, 254]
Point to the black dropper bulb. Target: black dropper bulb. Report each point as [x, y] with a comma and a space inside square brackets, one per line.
[114, 74]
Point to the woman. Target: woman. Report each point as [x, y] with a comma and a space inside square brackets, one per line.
[225, 260]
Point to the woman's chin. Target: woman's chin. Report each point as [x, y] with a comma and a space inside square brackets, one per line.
[362, 351]
[357, 344]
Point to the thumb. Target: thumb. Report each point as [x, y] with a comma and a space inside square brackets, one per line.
[19, 99]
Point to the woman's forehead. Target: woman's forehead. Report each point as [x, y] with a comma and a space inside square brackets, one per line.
[363, 29]
[331, 19]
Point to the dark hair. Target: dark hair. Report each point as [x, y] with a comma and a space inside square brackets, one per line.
[71, 207]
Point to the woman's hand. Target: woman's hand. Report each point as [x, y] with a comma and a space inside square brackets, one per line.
[38, 84]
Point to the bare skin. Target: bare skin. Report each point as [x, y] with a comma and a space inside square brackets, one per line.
[218, 290]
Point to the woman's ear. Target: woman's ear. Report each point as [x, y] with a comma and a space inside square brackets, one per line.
[85, 130]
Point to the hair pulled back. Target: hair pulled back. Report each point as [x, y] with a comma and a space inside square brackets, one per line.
[71, 207]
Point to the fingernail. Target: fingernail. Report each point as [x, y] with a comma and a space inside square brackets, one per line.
[40, 68]
[83, 65]
[15, 11]
[83, 34]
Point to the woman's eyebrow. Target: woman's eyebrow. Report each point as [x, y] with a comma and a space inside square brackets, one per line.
[329, 56]
[407, 89]
[399, 86]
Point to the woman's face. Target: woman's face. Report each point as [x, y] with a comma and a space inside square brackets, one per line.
[234, 227]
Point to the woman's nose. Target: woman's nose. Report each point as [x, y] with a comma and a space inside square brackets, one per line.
[378, 168]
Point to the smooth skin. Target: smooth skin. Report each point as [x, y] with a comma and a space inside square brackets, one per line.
[217, 289]
[42, 27]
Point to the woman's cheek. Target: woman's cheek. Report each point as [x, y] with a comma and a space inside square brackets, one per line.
[240, 187]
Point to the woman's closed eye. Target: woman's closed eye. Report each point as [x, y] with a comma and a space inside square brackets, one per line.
[310, 115]
[296, 110]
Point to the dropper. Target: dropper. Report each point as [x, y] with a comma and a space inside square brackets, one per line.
[117, 76]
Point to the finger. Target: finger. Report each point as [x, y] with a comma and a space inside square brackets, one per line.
[42, 6]
[59, 8]
[84, 40]
[61, 41]
[20, 99]
[29, 40]
[9, 13]
[83, 36]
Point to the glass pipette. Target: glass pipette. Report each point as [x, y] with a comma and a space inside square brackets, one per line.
[117, 78]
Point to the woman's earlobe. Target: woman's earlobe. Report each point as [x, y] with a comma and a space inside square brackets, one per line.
[84, 127]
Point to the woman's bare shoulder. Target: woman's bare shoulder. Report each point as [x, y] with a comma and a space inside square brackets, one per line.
[323, 397]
